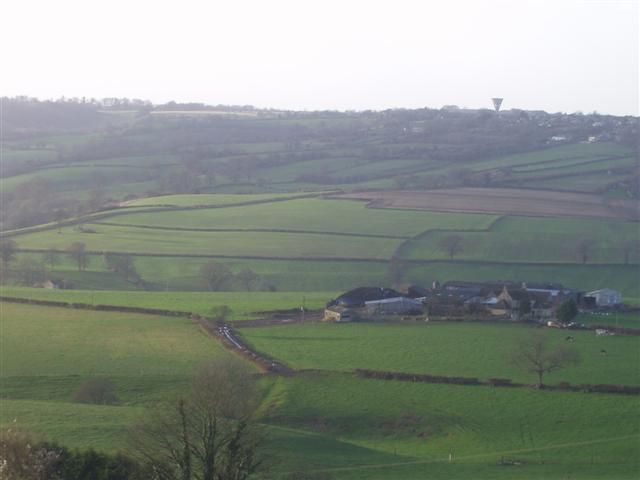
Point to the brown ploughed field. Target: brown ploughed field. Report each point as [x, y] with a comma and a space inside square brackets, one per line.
[506, 201]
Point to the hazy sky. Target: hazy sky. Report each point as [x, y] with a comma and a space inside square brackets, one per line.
[556, 55]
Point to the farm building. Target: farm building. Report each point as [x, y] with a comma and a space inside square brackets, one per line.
[367, 302]
[605, 297]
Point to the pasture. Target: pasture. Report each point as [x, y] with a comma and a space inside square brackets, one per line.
[544, 240]
[307, 215]
[48, 353]
[243, 305]
[477, 350]
[415, 427]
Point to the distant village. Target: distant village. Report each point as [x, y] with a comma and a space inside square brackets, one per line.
[516, 301]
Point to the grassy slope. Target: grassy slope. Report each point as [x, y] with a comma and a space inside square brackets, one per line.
[478, 425]
[470, 350]
[47, 353]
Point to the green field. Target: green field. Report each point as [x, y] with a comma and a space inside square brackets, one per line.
[109, 238]
[526, 239]
[61, 341]
[47, 353]
[415, 427]
[460, 349]
[312, 215]
[243, 304]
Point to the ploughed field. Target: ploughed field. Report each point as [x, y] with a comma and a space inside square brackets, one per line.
[503, 201]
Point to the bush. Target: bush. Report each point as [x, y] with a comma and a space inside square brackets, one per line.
[500, 382]
[99, 391]
[220, 313]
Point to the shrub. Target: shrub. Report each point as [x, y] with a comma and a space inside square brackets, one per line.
[96, 390]
[500, 382]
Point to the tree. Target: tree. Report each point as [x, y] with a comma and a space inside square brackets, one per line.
[123, 265]
[212, 434]
[77, 252]
[51, 257]
[584, 248]
[451, 244]
[396, 270]
[8, 251]
[629, 247]
[216, 275]
[23, 459]
[96, 390]
[248, 278]
[534, 354]
[567, 311]
[30, 271]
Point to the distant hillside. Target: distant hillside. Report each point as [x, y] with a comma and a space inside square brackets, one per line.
[68, 157]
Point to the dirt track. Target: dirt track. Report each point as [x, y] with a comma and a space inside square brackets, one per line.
[504, 201]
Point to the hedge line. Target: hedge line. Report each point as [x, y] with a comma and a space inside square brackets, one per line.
[495, 382]
[106, 308]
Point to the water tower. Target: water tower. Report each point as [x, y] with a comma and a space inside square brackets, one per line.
[497, 102]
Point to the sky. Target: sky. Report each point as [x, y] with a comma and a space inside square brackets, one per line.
[553, 55]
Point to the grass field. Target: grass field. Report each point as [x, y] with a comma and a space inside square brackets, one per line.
[461, 349]
[235, 244]
[243, 304]
[47, 353]
[618, 319]
[60, 341]
[526, 239]
[313, 215]
[554, 435]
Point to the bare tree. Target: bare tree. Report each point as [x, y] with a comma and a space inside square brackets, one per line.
[8, 249]
[248, 278]
[30, 271]
[212, 435]
[51, 257]
[396, 270]
[629, 247]
[534, 354]
[451, 244]
[77, 252]
[584, 248]
[216, 275]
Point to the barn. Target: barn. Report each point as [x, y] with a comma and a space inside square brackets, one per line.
[606, 297]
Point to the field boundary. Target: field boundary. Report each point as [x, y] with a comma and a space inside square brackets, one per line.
[249, 230]
[493, 382]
